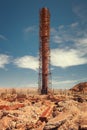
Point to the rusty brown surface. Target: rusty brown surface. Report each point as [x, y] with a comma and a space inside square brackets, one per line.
[43, 119]
[13, 107]
[44, 48]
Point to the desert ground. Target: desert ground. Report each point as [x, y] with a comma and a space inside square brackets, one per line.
[26, 109]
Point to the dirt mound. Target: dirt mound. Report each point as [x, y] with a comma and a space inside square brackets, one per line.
[81, 87]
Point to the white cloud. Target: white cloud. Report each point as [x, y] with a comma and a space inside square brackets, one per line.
[81, 11]
[67, 84]
[81, 45]
[61, 27]
[57, 39]
[56, 82]
[28, 62]
[64, 35]
[73, 25]
[30, 29]
[66, 58]
[53, 31]
[3, 37]
[4, 59]
[64, 84]
[72, 45]
[82, 42]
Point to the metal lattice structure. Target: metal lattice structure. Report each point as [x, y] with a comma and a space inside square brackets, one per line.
[44, 52]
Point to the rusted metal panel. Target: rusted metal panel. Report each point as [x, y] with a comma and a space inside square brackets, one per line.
[13, 107]
[46, 114]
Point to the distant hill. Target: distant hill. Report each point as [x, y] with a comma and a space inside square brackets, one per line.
[80, 87]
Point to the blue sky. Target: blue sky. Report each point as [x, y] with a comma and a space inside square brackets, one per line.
[19, 42]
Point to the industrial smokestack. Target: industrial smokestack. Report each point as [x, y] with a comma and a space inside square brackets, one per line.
[44, 58]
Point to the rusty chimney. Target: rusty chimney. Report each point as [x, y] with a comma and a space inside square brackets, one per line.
[44, 50]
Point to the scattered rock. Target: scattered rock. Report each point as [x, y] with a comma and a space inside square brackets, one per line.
[68, 113]
[53, 125]
[81, 87]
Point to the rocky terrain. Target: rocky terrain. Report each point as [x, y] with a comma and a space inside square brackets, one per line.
[27, 110]
[81, 87]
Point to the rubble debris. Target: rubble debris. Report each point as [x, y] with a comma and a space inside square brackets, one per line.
[44, 112]
[54, 125]
[78, 98]
[14, 107]
[82, 127]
